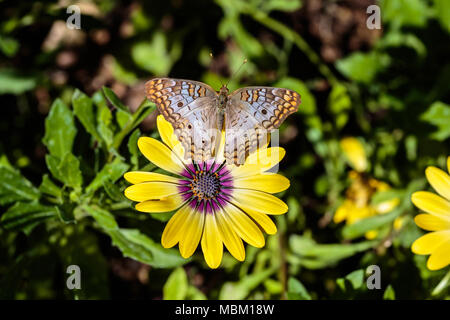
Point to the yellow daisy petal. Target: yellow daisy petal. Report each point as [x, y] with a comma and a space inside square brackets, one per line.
[431, 203]
[212, 246]
[342, 212]
[372, 234]
[263, 220]
[160, 155]
[259, 201]
[172, 231]
[244, 226]
[259, 162]
[221, 149]
[271, 183]
[229, 237]
[432, 223]
[386, 206]
[168, 136]
[164, 205]
[440, 258]
[192, 232]
[135, 177]
[398, 223]
[439, 180]
[448, 164]
[355, 153]
[153, 190]
[426, 244]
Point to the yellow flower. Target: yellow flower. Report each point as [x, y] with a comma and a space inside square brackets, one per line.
[357, 204]
[217, 204]
[436, 219]
[354, 151]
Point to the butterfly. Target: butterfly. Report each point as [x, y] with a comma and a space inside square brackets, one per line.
[199, 114]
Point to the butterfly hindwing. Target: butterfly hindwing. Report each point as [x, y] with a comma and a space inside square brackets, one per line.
[190, 107]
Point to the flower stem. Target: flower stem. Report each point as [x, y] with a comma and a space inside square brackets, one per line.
[142, 111]
[442, 285]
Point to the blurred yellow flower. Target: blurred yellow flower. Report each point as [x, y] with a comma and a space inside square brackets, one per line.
[217, 204]
[436, 219]
[357, 204]
[354, 151]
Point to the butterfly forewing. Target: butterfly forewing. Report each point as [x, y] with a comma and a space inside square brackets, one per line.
[190, 106]
[251, 114]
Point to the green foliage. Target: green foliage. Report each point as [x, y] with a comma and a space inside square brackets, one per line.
[438, 114]
[74, 107]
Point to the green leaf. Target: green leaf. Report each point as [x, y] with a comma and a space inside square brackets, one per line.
[231, 26]
[400, 39]
[316, 256]
[362, 67]
[133, 148]
[155, 56]
[176, 286]
[84, 111]
[138, 246]
[401, 13]
[115, 101]
[308, 102]
[12, 82]
[114, 192]
[49, 187]
[25, 216]
[241, 289]
[111, 171]
[123, 118]
[273, 286]
[104, 119]
[353, 281]
[60, 130]
[8, 45]
[383, 196]
[66, 170]
[442, 10]
[339, 103]
[360, 227]
[70, 170]
[281, 5]
[104, 218]
[14, 187]
[339, 99]
[66, 212]
[438, 114]
[389, 293]
[194, 293]
[142, 113]
[296, 290]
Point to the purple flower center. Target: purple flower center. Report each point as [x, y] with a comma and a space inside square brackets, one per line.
[206, 185]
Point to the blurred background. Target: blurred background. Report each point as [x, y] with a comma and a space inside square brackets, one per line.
[375, 113]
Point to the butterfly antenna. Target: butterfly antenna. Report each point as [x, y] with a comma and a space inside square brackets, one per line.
[237, 71]
[212, 56]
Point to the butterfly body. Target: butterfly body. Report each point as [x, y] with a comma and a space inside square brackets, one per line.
[199, 114]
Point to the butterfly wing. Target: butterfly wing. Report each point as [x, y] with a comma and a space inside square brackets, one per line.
[191, 108]
[251, 114]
